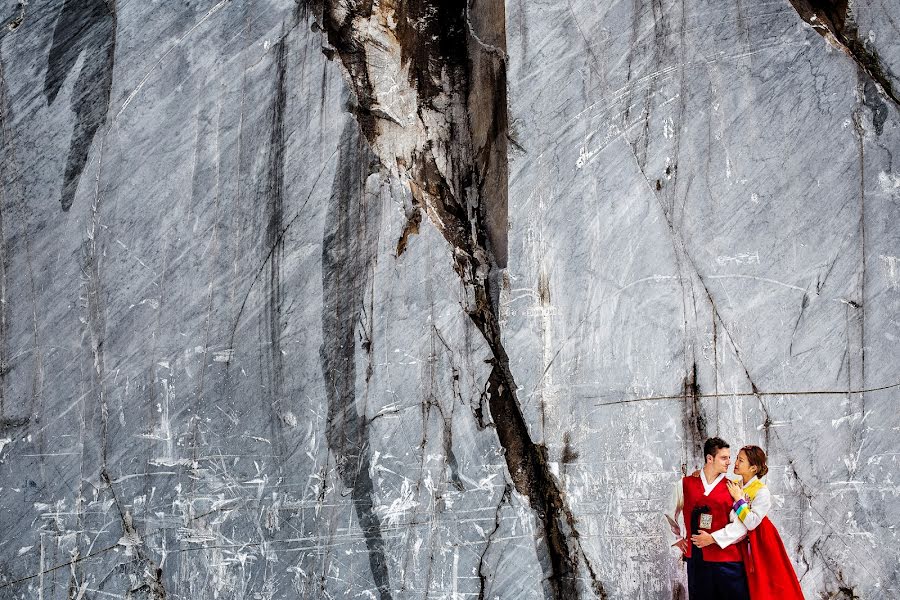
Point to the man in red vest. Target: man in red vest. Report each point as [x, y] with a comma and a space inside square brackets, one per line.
[714, 564]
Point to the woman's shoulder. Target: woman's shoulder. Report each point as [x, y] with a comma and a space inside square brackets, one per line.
[756, 487]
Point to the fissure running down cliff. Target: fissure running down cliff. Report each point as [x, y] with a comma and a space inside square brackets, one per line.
[445, 135]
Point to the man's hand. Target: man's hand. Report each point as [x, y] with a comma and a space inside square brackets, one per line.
[736, 490]
[696, 473]
[702, 539]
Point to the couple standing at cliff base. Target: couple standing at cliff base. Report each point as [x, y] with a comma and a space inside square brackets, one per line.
[732, 550]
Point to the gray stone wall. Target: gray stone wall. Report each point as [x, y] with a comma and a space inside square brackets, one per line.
[437, 300]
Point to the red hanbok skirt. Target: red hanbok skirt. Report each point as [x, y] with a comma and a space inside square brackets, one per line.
[770, 574]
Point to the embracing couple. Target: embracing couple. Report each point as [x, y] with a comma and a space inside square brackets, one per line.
[732, 550]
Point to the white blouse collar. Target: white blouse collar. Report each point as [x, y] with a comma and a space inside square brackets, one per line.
[708, 487]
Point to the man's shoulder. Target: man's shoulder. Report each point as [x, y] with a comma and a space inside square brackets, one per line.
[691, 481]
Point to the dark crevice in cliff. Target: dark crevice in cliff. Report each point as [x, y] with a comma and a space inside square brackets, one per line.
[833, 20]
[413, 222]
[529, 469]
[348, 250]
[455, 54]
[87, 26]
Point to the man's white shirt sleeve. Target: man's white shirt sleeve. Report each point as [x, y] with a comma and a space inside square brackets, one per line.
[734, 531]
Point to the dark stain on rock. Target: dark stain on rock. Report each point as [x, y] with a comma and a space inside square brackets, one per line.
[413, 221]
[694, 421]
[872, 99]
[569, 454]
[434, 39]
[272, 198]
[16, 22]
[803, 304]
[348, 250]
[337, 24]
[83, 26]
[833, 20]
[544, 288]
[452, 461]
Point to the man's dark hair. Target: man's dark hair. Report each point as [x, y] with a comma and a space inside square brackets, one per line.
[713, 445]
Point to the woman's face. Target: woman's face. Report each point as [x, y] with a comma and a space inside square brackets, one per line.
[742, 465]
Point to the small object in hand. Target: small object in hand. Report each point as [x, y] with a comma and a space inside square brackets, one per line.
[673, 525]
[684, 545]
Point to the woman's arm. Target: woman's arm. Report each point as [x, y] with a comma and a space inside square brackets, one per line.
[751, 514]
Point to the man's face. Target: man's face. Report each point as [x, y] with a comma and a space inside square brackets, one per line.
[720, 461]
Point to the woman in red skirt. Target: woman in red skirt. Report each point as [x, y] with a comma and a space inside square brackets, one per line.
[770, 574]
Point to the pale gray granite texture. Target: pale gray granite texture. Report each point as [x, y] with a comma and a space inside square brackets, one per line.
[427, 299]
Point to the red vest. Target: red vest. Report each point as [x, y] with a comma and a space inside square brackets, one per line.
[718, 503]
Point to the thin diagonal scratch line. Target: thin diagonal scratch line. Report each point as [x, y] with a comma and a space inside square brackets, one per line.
[59, 566]
[150, 72]
[757, 393]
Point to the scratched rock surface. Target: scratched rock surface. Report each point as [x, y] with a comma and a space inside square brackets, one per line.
[421, 300]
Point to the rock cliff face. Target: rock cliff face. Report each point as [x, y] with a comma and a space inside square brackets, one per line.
[423, 299]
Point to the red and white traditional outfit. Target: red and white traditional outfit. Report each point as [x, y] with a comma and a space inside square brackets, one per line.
[717, 571]
[770, 574]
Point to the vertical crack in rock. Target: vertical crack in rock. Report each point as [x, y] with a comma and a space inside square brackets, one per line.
[429, 85]
[833, 20]
[450, 461]
[681, 249]
[856, 403]
[482, 577]
[87, 26]
[348, 249]
[5, 164]
[95, 411]
[152, 588]
[694, 420]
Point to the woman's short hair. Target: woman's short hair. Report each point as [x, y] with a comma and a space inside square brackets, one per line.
[756, 456]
